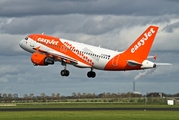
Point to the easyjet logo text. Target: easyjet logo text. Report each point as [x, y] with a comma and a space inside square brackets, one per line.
[47, 41]
[141, 42]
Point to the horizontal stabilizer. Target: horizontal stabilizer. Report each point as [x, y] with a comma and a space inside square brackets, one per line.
[154, 57]
[163, 63]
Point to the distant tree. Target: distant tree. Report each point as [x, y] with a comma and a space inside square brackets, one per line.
[74, 95]
[123, 95]
[4, 95]
[31, 95]
[9, 96]
[53, 96]
[118, 94]
[84, 95]
[26, 96]
[15, 95]
[43, 97]
[176, 95]
[89, 95]
[79, 95]
[94, 95]
[108, 95]
[58, 96]
[102, 95]
[129, 94]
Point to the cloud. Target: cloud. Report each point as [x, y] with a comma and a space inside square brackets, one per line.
[170, 27]
[8, 69]
[9, 45]
[2, 79]
[20, 8]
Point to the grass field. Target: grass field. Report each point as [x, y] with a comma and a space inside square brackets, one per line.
[90, 115]
[86, 105]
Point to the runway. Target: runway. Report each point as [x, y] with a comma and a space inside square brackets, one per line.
[86, 109]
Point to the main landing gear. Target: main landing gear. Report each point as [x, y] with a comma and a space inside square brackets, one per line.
[91, 74]
[64, 72]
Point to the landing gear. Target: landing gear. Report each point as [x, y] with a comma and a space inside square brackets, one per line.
[91, 74]
[64, 72]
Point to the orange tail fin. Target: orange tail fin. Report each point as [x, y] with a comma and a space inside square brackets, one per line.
[141, 47]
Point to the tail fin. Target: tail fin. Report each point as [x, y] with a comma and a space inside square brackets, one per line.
[141, 47]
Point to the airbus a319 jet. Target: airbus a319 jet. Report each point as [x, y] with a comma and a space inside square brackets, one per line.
[46, 50]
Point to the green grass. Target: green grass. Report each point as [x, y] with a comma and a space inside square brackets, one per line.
[90, 115]
[86, 105]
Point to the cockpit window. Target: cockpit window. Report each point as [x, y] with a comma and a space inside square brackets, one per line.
[26, 38]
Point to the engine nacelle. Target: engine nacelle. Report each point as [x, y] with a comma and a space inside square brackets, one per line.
[41, 59]
[146, 64]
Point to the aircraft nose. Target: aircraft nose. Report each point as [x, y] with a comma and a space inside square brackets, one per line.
[25, 46]
[21, 43]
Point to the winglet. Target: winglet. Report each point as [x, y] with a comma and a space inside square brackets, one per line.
[141, 47]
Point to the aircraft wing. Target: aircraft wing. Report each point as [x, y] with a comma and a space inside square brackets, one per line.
[61, 57]
[57, 56]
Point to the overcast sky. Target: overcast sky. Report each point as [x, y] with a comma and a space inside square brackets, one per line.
[113, 24]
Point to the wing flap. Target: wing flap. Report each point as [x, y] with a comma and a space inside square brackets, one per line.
[57, 56]
[61, 57]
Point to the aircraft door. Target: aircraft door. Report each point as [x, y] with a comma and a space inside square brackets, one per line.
[115, 60]
[32, 42]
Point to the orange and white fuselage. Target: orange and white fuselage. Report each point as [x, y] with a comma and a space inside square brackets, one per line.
[47, 49]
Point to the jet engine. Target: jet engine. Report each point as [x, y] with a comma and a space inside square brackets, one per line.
[41, 59]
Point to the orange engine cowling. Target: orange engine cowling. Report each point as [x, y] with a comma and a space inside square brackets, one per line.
[41, 59]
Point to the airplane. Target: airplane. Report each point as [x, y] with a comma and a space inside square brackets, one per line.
[46, 50]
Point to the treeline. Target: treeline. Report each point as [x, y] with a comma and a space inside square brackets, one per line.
[109, 97]
[73, 96]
